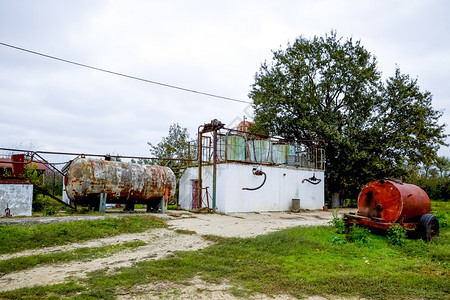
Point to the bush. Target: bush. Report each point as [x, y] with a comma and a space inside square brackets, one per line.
[397, 235]
[361, 234]
[49, 211]
[47, 205]
[443, 219]
[358, 234]
[351, 202]
[437, 188]
[337, 240]
[38, 203]
[338, 222]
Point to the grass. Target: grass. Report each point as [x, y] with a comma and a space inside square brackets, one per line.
[80, 254]
[15, 238]
[184, 231]
[441, 209]
[296, 261]
[302, 261]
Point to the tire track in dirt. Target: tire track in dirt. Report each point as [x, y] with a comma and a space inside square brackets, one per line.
[117, 239]
[162, 242]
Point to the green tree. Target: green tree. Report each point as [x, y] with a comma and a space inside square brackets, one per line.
[177, 145]
[443, 165]
[407, 122]
[329, 88]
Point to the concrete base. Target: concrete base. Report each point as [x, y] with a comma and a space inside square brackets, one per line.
[18, 198]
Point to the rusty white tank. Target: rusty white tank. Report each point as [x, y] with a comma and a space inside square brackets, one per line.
[123, 182]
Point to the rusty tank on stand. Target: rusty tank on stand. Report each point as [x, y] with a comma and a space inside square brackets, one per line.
[385, 202]
[122, 182]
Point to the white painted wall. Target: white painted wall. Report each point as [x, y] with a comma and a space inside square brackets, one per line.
[65, 198]
[282, 185]
[18, 198]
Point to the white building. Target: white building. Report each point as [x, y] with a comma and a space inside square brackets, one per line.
[292, 171]
[16, 198]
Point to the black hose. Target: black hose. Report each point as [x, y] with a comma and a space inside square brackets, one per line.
[254, 189]
[312, 180]
[317, 181]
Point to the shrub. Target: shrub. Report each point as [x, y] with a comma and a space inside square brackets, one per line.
[337, 240]
[397, 235]
[351, 202]
[358, 234]
[437, 188]
[49, 211]
[443, 219]
[38, 203]
[361, 234]
[338, 223]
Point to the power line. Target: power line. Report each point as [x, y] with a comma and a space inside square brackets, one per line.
[124, 75]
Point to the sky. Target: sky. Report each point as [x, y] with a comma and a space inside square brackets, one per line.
[210, 46]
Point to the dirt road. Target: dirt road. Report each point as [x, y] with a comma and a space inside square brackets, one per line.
[249, 225]
[159, 243]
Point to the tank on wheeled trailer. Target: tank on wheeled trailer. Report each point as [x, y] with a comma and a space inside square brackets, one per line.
[386, 202]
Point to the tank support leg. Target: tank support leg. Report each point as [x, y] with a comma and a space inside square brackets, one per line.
[163, 205]
[102, 204]
[129, 206]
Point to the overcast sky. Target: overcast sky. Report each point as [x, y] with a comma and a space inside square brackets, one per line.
[210, 46]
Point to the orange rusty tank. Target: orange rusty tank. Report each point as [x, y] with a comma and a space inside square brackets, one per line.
[393, 201]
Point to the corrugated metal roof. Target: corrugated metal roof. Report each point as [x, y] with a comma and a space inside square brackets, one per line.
[7, 163]
[14, 181]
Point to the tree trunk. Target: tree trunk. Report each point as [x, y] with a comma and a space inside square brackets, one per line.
[335, 200]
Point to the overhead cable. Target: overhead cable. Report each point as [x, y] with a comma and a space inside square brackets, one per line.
[124, 75]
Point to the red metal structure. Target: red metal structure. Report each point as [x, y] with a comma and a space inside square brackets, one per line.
[384, 202]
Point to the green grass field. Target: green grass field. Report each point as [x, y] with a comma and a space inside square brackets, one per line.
[14, 238]
[301, 261]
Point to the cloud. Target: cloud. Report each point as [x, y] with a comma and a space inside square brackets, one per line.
[209, 46]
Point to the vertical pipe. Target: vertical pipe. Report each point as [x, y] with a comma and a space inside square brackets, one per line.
[315, 156]
[200, 157]
[102, 205]
[226, 147]
[214, 171]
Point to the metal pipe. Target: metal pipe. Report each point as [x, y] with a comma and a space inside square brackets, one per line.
[268, 136]
[226, 147]
[51, 165]
[98, 155]
[199, 156]
[214, 171]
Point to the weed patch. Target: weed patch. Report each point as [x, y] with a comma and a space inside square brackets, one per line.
[184, 231]
[338, 222]
[69, 289]
[358, 234]
[397, 235]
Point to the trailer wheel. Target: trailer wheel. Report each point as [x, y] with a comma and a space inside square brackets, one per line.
[428, 227]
